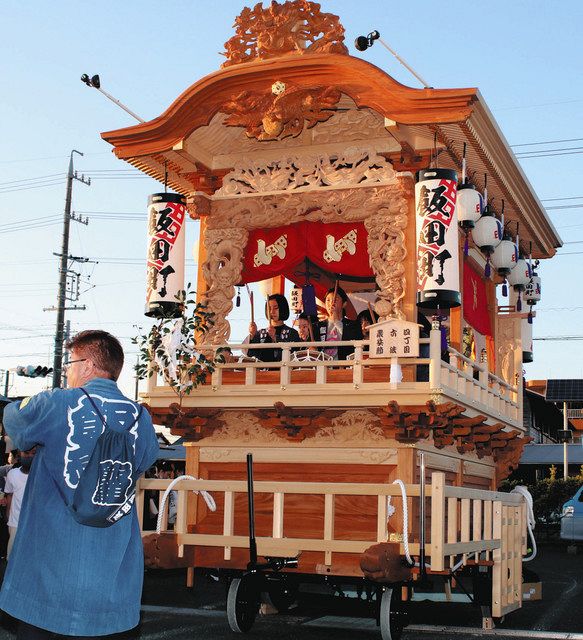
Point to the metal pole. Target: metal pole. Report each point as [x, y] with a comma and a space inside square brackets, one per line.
[422, 515]
[57, 361]
[410, 69]
[565, 443]
[251, 505]
[137, 380]
[6, 379]
[119, 104]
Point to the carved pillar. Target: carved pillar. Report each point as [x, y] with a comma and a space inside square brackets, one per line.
[222, 271]
[388, 252]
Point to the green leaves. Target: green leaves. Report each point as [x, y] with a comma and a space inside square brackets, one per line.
[169, 347]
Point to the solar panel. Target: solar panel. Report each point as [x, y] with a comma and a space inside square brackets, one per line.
[564, 390]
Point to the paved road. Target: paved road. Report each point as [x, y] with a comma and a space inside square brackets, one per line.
[170, 610]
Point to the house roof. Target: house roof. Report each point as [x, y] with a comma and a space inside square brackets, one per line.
[547, 454]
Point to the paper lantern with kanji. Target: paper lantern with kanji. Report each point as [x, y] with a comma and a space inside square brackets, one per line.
[504, 256]
[437, 239]
[487, 234]
[165, 261]
[469, 205]
[532, 292]
[520, 276]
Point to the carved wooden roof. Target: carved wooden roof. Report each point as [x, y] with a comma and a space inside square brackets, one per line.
[266, 104]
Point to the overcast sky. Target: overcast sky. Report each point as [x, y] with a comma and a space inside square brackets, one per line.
[525, 57]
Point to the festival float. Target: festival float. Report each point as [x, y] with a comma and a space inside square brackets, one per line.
[305, 165]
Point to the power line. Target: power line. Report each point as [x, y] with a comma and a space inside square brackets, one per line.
[557, 338]
[533, 144]
[569, 198]
[50, 175]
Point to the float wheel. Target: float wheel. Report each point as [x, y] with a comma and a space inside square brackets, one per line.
[242, 604]
[391, 615]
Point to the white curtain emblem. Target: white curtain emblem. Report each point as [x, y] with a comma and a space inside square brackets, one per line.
[265, 254]
[335, 248]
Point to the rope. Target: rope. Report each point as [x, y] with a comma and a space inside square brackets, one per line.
[205, 494]
[405, 522]
[530, 519]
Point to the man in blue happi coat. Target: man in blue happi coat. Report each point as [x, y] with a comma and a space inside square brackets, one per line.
[64, 577]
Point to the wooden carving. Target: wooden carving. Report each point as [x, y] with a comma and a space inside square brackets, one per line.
[350, 167]
[290, 28]
[222, 271]
[280, 112]
[387, 251]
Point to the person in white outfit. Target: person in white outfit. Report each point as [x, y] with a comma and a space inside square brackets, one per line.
[14, 490]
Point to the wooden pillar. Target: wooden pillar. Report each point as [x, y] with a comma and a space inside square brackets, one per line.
[410, 301]
[192, 469]
[278, 285]
[201, 284]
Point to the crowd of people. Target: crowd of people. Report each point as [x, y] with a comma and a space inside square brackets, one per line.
[335, 327]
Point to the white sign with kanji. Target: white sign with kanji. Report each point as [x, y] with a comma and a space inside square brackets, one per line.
[394, 339]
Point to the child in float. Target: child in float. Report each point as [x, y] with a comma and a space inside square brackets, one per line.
[337, 326]
[277, 311]
[304, 323]
[365, 319]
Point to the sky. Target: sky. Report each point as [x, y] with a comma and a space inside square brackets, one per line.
[524, 56]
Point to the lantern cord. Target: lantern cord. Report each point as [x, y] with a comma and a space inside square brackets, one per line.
[464, 165]
[466, 244]
[505, 289]
[165, 176]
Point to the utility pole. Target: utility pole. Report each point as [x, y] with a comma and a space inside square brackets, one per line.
[63, 271]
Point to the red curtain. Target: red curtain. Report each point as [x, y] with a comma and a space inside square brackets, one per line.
[337, 248]
[475, 301]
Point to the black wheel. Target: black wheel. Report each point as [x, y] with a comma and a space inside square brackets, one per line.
[242, 604]
[282, 594]
[391, 615]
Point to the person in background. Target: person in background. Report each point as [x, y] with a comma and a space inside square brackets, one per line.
[277, 311]
[364, 319]
[303, 323]
[14, 490]
[337, 326]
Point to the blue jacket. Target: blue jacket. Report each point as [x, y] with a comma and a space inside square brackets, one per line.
[62, 576]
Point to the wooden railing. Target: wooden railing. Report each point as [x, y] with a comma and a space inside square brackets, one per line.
[467, 526]
[358, 381]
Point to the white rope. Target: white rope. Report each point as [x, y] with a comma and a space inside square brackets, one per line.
[205, 494]
[405, 521]
[530, 519]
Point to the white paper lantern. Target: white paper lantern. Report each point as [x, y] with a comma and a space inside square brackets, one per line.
[469, 205]
[504, 257]
[437, 239]
[520, 276]
[487, 234]
[532, 292]
[527, 342]
[165, 261]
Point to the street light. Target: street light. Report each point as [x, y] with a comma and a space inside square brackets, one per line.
[95, 83]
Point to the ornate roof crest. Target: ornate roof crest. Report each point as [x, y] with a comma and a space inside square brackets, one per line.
[281, 112]
[294, 27]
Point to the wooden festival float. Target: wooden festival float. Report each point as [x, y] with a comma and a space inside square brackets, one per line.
[304, 164]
